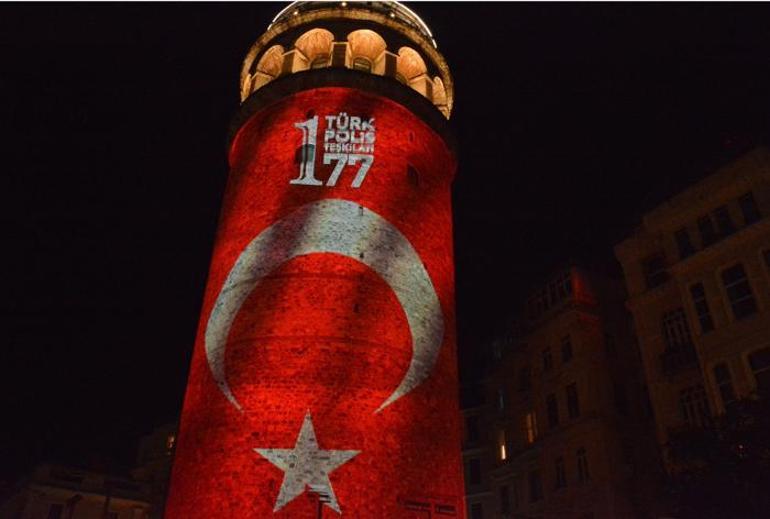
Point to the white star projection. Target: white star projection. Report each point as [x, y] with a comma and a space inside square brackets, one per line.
[306, 465]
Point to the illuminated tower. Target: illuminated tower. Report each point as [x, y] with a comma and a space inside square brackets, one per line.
[324, 376]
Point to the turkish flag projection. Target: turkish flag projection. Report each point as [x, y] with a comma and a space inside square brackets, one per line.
[324, 371]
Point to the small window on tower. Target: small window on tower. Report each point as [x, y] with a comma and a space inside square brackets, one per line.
[320, 61]
[362, 64]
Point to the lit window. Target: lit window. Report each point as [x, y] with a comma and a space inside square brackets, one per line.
[170, 441]
[749, 208]
[573, 404]
[503, 447]
[760, 366]
[561, 474]
[582, 465]
[683, 243]
[692, 402]
[701, 305]
[739, 291]
[724, 383]
[566, 349]
[530, 426]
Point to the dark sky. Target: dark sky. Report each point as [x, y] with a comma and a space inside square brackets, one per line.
[572, 120]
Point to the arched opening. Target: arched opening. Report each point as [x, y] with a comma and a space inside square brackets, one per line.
[271, 61]
[365, 49]
[316, 47]
[410, 63]
[268, 67]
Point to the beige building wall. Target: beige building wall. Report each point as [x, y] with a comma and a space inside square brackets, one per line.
[703, 255]
[565, 407]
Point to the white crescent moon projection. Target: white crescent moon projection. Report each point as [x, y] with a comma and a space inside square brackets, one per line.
[338, 227]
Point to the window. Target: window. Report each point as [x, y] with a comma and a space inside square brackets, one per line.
[582, 465]
[362, 64]
[739, 291]
[501, 399]
[547, 360]
[692, 402]
[701, 305]
[573, 405]
[561, 475]
[655, 272]
[621, 402]
[472, 428]
[749, 208]
[760, 366]
[708, 234]
[477, 511]
[724, 222]
[505, 500]
[676, 333]
[724, 383]
[474, 471]
[683, 243]
[55, 511]
[535, 486]
[319, 61]
[525, 382]
[530, 426]
[502, 446]
[566, 349]
[553, 411]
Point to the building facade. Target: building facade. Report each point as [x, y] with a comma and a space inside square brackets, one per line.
[324, 374]
[698, 277]
[565, 421]
[55, 492]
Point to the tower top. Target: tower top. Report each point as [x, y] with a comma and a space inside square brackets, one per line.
[381, 38]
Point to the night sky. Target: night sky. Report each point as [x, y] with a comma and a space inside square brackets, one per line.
[572, 121]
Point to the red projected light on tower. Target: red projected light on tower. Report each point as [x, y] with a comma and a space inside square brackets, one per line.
[324, 371]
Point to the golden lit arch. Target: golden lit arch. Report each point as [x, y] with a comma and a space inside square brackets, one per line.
[271, 61]
[365, 44]
[315, 45]
[410, 63]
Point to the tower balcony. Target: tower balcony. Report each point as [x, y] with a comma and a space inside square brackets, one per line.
[380, 38]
